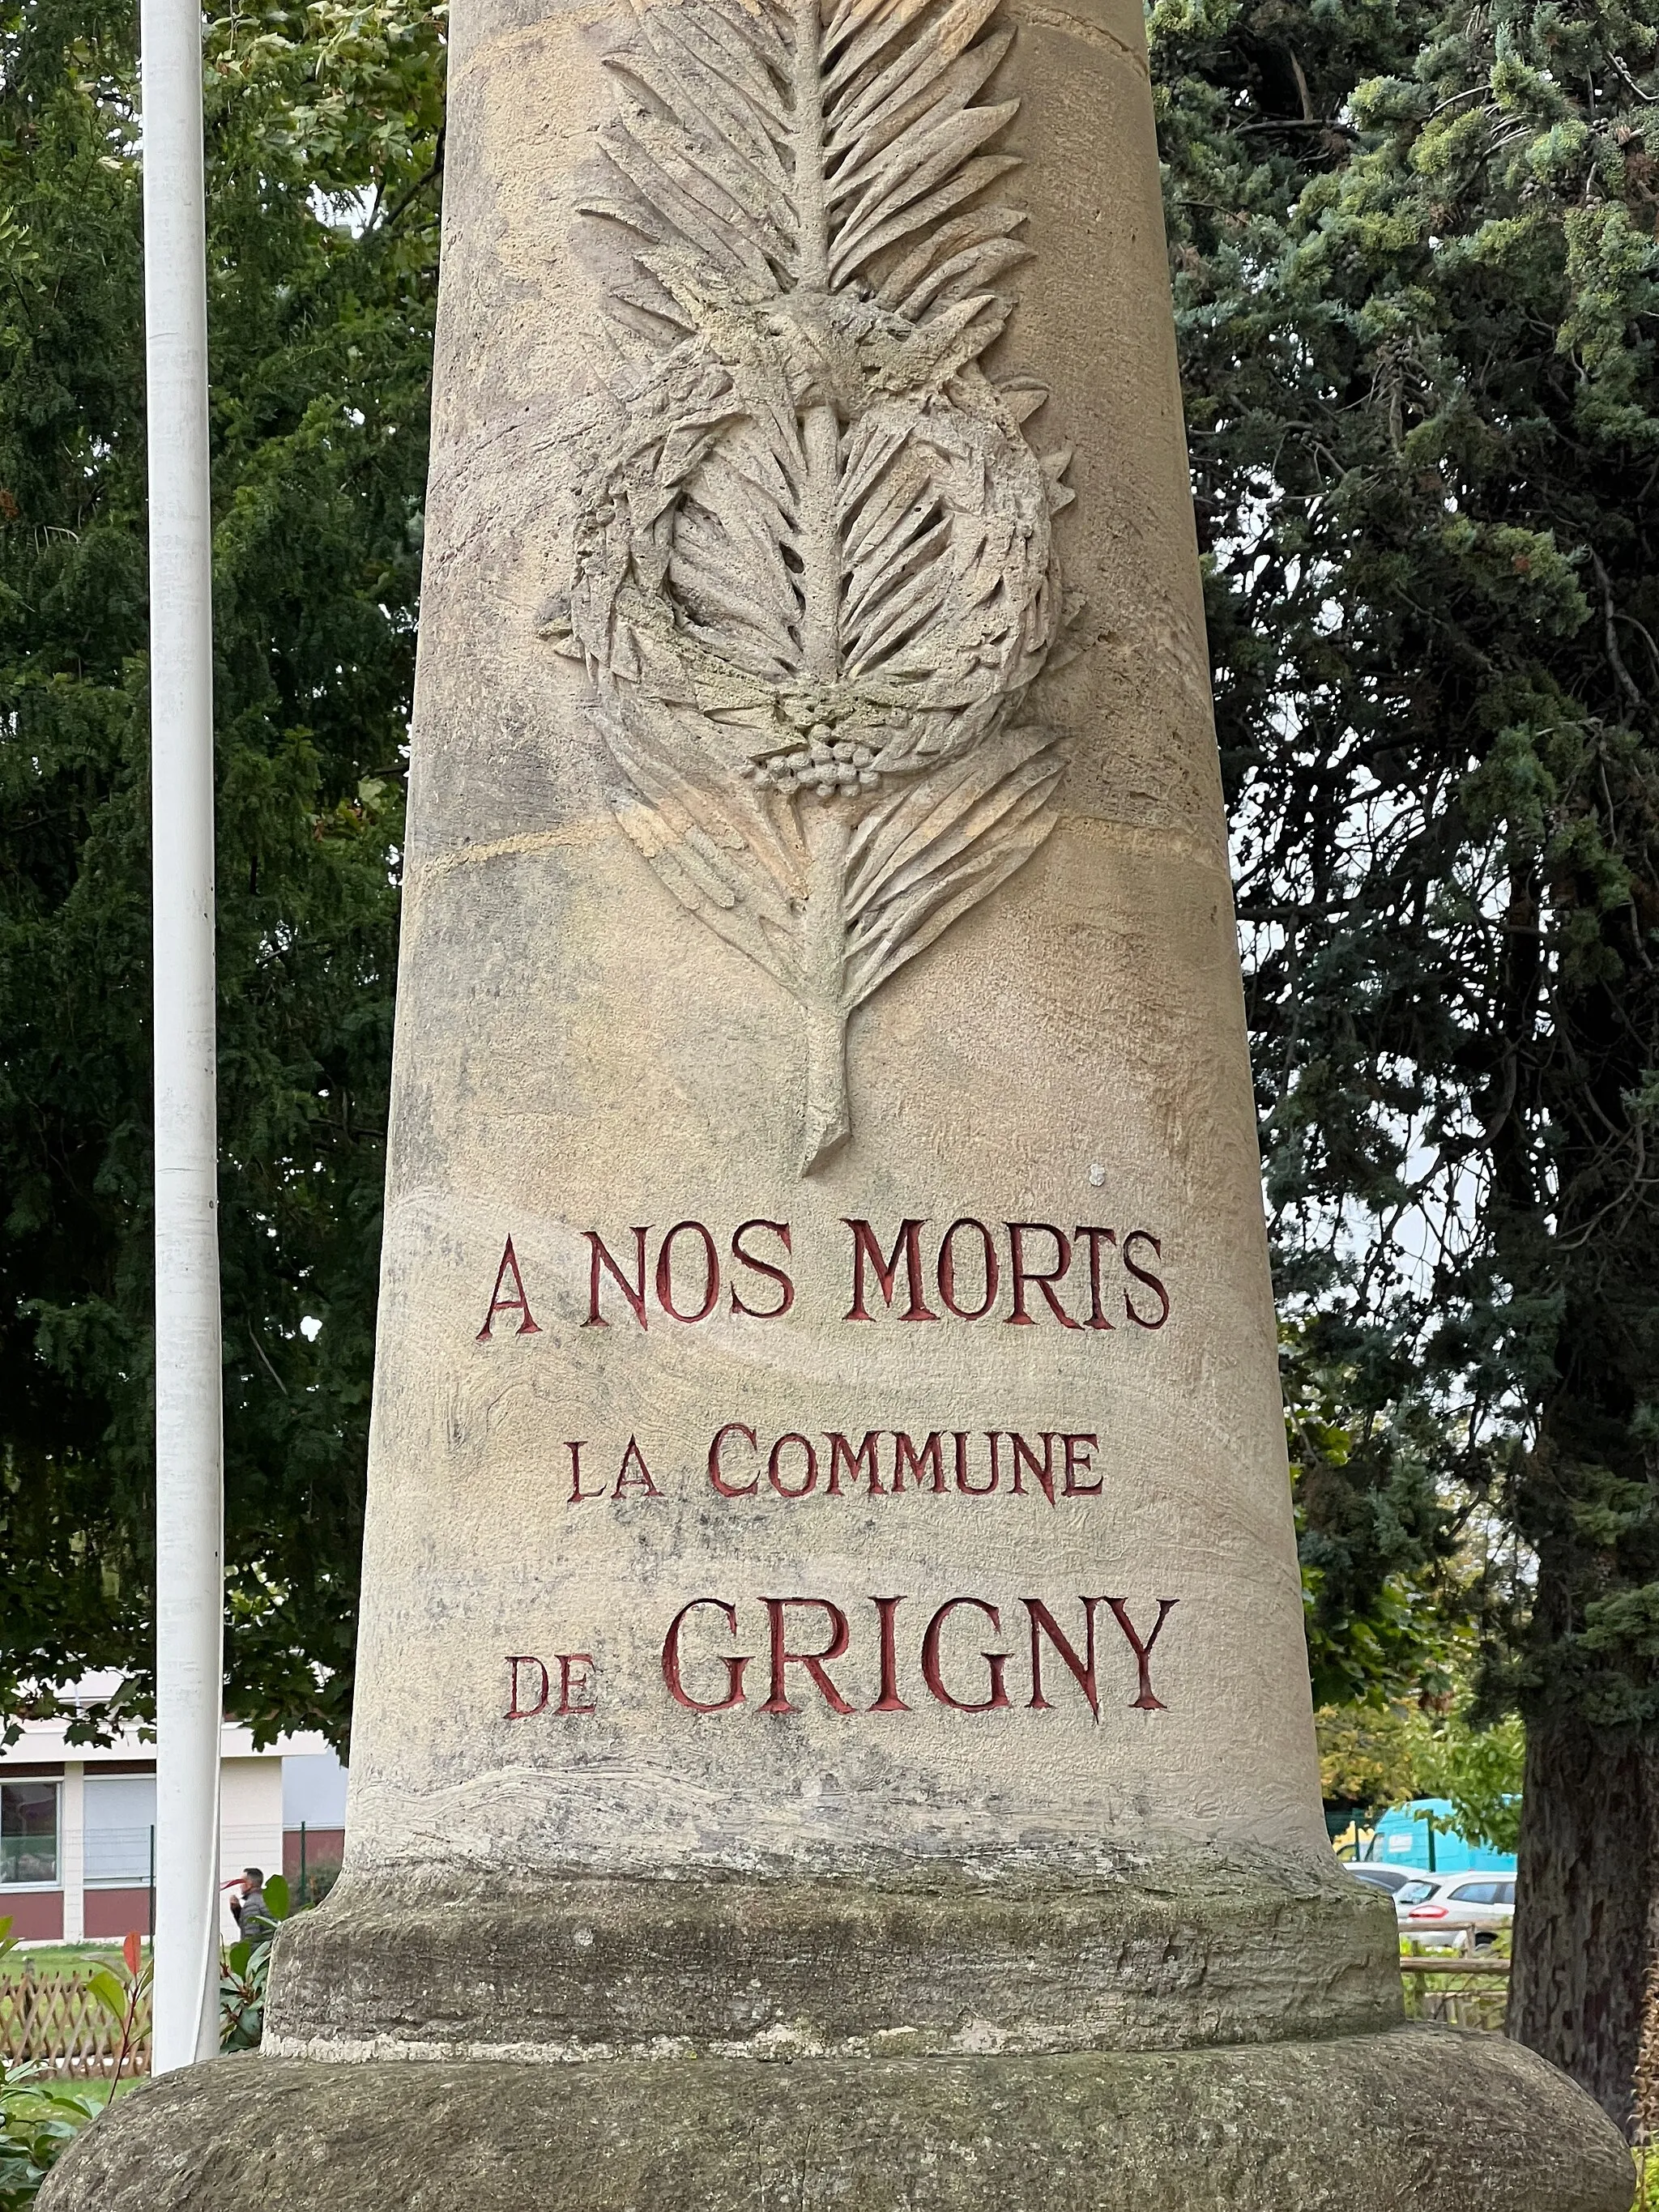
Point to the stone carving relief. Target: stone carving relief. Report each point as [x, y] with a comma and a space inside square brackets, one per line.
[812, 571]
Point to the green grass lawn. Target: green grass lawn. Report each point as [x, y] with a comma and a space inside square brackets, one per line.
[63, 1959]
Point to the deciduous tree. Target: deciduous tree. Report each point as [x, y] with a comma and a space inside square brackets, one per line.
[324, 134]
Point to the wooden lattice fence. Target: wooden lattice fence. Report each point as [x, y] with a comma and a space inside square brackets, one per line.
[54, 2021]
[1460, 1989]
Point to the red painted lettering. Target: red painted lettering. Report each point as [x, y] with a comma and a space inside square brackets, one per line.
[844, 1460]
[809, 1478]
[919, 1464]
[888, 1699]
[906, 1243]
[1144, 1701]
[578, 1495]
[1026, 1459]
[516, 1710]
[599, 1258]
[996, 1660]
[717, 1473]
[739, 1252]
[519, 1303]
[815, 1662]
[1045, 1279]
[569, 1662]
[734, 1665]
[635, 1474]
[1095, 1238]
[1141, 1275]
[1044, 1624]
[989, 1270]
[711, 1273]
[977, 1489]
[1078, 1450]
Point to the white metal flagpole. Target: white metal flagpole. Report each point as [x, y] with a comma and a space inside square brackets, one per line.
[189, 1446]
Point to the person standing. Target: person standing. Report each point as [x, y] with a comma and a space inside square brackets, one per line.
[252, 1914]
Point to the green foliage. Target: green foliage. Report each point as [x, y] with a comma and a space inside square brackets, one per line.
[1373, 1757]
[39, 2118]
[1480, 1769]
[318, 1880]
[105, 1985]
[1366, 1759]
[1416, 277]
[324, 145]
[244, 1972]
[1382, 1593]
[124, 1992]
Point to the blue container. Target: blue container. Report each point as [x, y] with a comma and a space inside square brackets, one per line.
[1401, 1840]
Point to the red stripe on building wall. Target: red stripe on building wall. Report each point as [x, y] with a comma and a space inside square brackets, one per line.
[36, 1915]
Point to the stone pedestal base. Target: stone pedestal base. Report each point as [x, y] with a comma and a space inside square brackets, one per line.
[1429, 2119]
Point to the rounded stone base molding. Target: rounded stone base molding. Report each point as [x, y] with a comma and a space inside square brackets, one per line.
[1429, 2119]
[1149, 1949]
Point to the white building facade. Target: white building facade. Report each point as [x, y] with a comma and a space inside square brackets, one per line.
[77, 1826]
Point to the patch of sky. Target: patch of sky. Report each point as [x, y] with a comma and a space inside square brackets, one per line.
[347, 211]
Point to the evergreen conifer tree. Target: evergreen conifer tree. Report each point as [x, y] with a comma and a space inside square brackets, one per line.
[1417, 289]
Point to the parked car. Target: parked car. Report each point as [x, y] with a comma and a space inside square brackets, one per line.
[1393, 1879]
[1476, 1905]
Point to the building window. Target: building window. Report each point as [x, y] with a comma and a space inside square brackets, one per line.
[120, 1830]
[28, 1831]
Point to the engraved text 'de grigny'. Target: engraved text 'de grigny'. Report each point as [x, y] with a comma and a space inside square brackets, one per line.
[812, 569]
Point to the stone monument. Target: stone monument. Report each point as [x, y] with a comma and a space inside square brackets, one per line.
[832, 1724]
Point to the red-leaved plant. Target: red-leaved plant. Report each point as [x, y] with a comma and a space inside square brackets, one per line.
[122, 1992]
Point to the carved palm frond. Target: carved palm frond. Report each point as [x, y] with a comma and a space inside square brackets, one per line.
[717, 852]
[903, 133]
[778, 150]
[924, 858]
[813, 573]
[729, 567]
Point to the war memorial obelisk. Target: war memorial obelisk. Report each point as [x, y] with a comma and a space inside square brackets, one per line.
[832, 1726]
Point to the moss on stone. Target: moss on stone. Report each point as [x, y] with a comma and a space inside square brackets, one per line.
[1160, 1949]
[1424, 2117]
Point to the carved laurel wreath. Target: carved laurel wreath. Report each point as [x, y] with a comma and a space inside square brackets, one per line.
[812, 573]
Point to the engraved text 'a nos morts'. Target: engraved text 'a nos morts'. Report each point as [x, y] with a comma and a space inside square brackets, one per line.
[813, 575]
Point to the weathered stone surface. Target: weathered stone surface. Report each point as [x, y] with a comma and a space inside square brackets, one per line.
[608, 1032]
[1160, 1951]
[829, 1588]
[1425, 2120]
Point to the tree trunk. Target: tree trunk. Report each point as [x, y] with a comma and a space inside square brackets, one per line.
[1587, 1917]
